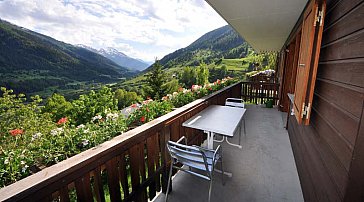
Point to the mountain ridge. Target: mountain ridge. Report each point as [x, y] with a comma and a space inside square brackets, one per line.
[223, 42]
[119, 58]
[30, 62]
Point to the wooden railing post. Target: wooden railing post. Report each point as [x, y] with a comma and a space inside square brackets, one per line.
[165, 136]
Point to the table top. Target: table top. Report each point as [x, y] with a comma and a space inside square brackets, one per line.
[218, 119]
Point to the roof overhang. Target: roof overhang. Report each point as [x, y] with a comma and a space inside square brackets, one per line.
[264, 24]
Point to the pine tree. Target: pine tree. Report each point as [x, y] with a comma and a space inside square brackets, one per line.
[155, 82]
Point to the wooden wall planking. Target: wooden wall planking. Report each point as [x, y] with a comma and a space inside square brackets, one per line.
[329, 152]
[355, 190]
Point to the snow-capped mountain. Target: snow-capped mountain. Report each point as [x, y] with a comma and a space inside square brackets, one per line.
[119, 58]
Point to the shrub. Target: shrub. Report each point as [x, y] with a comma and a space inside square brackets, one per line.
[148, 111]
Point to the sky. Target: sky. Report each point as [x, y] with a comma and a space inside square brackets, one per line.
[144, 29]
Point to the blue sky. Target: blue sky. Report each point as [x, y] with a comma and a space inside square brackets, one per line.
[143, 29]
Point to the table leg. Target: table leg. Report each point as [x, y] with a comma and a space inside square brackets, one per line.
[235, 145]
[210, 140]
[222, 140]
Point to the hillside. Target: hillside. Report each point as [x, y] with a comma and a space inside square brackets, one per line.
[223, 42]
[32, 62]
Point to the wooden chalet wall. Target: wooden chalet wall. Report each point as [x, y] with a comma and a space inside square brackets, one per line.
[329, 153]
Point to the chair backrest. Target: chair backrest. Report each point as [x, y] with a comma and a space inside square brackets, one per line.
[189, 155]
[234, 102]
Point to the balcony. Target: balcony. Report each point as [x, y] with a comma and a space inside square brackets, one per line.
[134, 165]
[264, 170]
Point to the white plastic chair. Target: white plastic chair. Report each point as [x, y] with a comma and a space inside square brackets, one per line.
[236, 102]
[195, 158]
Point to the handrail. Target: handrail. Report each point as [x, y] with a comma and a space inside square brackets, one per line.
[260, 92]
[111, 160]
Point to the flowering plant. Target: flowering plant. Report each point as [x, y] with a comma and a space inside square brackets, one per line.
[148, 111]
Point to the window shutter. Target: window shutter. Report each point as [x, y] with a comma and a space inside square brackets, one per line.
[311, 35]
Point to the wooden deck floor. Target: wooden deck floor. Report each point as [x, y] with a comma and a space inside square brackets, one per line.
[264, 170]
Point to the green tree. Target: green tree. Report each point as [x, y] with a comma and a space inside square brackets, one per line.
[156, 79]
[202, 75]
[188, 77]
[94, 103]
[272, 60]
[125, 98]
[57, 106]
[172, 86]
[223, 71]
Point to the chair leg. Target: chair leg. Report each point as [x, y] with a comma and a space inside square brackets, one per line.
[222, 172]
[210, 187]
[169, 181]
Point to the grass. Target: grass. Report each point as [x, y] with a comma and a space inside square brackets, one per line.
[241, 64]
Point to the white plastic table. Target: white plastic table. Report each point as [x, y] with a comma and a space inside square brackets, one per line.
[223, 120]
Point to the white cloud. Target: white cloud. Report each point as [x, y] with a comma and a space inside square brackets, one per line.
[159, 27]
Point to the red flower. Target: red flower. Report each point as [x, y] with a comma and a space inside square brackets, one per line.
[16, 132]
[142, 119]
[133, 105]
[218, 81]
[210, 88]
[62, 121]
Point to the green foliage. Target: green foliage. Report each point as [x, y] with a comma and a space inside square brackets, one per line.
[87, 106]
[156, 79]
[126, 98]
[182, 98]
[29, 138]
[57, 106]
[223, 71]
[202, 75]
[171, 86]
[188, 77]
[272, 60]
[263, 61]
[148, 111]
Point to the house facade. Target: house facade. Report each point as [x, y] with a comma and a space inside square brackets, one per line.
[321, 65]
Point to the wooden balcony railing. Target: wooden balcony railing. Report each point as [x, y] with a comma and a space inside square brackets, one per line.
[260, 92]
[131, 167]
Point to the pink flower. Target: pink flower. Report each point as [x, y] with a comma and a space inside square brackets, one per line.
[147, 101]
[16, 132]
[62, 121]
[134, 106]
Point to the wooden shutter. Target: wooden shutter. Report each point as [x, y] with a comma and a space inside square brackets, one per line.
[311, 35]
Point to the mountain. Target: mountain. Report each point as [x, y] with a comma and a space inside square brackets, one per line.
[120, 58]
[31, 62]
[223, 42]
